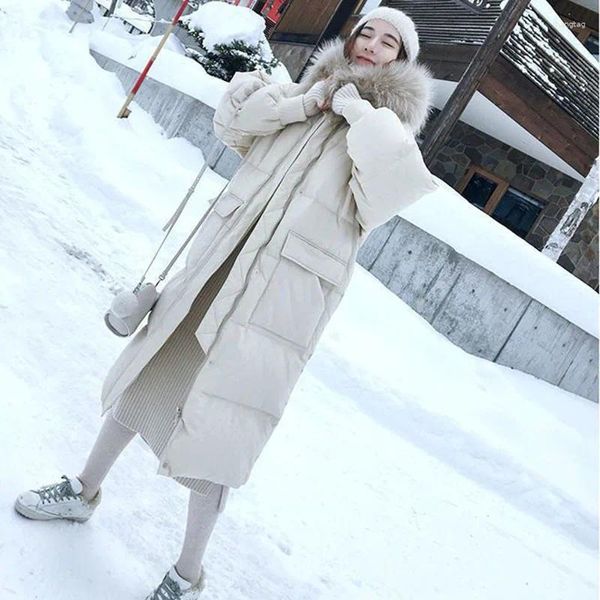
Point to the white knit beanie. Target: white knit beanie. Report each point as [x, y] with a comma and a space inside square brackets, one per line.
[403, 24]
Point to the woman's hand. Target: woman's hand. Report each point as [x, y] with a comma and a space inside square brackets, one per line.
[343, 97]
[314, 100]
[326, 103]
[347, 102]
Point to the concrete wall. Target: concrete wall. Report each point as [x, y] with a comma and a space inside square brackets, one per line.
[479, 311]
[474, 308]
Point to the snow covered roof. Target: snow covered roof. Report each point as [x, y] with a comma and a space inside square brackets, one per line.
[449, 21]
[543, 54]
[541, 47]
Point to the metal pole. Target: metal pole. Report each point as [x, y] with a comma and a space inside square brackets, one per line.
[81, 10]
[125, 112]
[111, 12]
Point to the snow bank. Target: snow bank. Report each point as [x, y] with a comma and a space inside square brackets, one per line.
[171, 68]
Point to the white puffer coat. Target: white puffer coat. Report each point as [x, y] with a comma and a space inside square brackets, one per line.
[317, 187]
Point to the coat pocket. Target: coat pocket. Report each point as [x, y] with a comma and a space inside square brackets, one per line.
[225, 213]
[294, 300]
[227, 205]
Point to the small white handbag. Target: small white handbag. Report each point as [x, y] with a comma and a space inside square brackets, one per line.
[128, 309]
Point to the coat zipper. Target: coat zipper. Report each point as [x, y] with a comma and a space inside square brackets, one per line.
[250, 270]
[179, 410]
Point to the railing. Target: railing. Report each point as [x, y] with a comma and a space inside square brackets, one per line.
[544, 56]
[478, 4]
[137, 23]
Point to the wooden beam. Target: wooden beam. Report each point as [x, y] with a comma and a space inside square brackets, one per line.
[576, 14]
[524, 102]
[447, 62]
[475, 72]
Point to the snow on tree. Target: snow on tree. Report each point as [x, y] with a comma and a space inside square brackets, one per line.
[232, 38]
[583, 201]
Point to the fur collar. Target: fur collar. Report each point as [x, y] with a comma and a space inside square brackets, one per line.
[403, 87]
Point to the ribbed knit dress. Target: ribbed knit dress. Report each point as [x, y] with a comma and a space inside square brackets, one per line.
[151, 404]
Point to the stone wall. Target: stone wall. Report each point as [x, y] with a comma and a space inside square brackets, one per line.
[544, 183]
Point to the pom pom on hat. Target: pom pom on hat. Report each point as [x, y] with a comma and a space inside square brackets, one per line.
[403, 24]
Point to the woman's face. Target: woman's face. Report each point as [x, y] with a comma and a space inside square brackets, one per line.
[377, 44]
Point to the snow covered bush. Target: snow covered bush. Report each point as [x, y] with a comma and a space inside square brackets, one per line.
[225, 60]
[231, 39]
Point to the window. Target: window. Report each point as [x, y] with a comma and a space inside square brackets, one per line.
[517, 211]
[591, 43]
[505, 204]
[479, 190]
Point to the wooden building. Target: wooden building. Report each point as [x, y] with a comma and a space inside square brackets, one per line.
[530, 134]
[305, 24]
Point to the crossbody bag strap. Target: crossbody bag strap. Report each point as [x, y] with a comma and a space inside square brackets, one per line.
[170, 224]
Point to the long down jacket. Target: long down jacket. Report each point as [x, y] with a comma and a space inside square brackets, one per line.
[315, 187]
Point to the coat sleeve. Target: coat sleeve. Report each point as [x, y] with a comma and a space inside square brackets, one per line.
[252, 106]
[388, 172]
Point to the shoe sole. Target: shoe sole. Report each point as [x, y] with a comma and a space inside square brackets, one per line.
[29, 513]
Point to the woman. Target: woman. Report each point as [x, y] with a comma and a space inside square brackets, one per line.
[206, 381]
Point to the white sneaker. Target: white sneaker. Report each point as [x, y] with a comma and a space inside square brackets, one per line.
[61, 500]
[174, 587]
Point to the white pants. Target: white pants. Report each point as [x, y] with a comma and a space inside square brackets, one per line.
[202, 512]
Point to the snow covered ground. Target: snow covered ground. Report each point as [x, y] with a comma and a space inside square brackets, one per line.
[403, 469]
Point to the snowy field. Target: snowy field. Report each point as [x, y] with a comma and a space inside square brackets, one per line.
[403, 469]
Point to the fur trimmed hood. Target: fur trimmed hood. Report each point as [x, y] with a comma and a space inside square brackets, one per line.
[403, 87]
